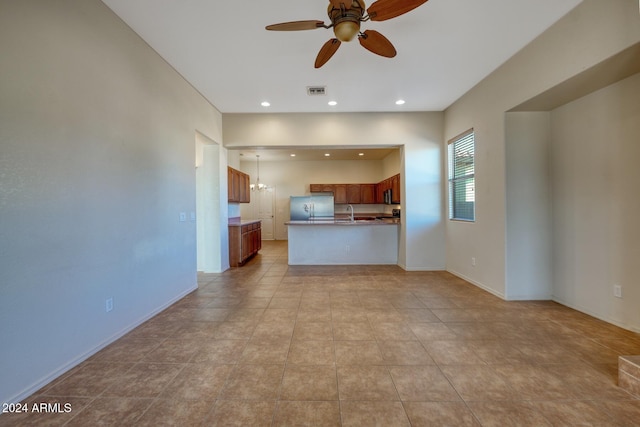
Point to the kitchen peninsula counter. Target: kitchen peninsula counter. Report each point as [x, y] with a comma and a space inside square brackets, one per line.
[341, 222]
[343, 242]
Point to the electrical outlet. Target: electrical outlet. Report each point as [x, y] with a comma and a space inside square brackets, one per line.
[617, 291]
[473, 261]
[183, 216]
[108, 305]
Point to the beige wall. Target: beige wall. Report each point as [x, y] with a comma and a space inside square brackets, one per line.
[595, 181]
[529, 255]
[589, 34]
[97, 156]
[584, 39]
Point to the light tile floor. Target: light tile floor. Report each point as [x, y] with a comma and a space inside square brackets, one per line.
[273, 345]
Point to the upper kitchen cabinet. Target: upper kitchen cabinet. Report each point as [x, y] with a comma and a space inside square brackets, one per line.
[368, 193]
[353, 194]
[361, 193]
[238, 185]
[340, 193]
[328, 188]
[395, 189]
[391, 183]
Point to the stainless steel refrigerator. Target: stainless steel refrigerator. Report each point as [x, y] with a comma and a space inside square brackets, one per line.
[303, 208]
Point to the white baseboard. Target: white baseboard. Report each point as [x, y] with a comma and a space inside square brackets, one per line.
[632, 328]
[84, 356]
[478, 284]
[584, 310]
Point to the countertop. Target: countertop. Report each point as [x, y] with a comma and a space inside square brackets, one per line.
[346, 222]
[237, 222]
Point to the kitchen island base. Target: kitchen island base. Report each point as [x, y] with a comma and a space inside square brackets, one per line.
[342, 244]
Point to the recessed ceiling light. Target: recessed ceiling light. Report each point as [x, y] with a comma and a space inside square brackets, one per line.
[292, 155]
[333, 103]
[400, 102]
[360, 154]
[327, 154]
[265, 104]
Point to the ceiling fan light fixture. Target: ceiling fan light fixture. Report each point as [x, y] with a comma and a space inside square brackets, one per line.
[346, 31]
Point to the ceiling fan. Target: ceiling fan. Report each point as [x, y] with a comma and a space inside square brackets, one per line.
[346, 16]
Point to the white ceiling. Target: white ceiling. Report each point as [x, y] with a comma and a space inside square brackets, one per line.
[444, 48]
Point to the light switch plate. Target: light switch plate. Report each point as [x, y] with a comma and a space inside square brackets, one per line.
[617, 291]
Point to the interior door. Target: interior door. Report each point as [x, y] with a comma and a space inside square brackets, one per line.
[266, 203]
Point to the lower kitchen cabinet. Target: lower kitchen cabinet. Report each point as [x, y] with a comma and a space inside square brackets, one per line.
[245, 240]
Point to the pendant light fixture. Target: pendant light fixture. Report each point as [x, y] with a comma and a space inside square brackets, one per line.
[258, 185]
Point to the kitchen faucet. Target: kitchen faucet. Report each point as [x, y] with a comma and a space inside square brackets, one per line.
[351, 207]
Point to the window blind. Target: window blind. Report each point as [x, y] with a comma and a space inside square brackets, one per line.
[462, 177]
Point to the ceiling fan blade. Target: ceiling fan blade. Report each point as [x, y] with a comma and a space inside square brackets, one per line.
[377, 43]
[296, 26]
[382, 10]
[327, 51]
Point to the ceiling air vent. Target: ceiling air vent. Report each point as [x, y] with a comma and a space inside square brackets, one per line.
[316, 90]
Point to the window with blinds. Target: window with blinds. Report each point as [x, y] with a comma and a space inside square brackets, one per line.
[462, 194]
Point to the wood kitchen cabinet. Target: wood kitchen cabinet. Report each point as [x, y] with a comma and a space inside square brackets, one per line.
[245, 188]
[353, 194]
[238, 186]
[391, 183]
[379, 193]
[245, 240]
[395, 189]
[383, 186]
[340, 193]
[361, 193]
[368, 193]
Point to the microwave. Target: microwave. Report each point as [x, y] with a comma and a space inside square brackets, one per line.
[387, 196]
